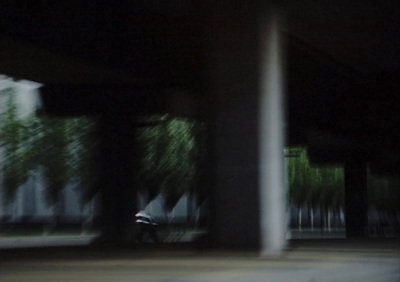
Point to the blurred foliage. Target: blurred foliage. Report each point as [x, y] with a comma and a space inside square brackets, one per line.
[60, 150]
[15, 159]
[53, 155]
[314, 185]
[324, 186]
[85, 159]
[170, 152]
[65, 151]
[384, 192]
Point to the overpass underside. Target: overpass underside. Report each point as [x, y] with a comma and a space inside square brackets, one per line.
[256, 87]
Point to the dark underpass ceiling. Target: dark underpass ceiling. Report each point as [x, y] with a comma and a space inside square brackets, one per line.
[343, 60]
[363, 35]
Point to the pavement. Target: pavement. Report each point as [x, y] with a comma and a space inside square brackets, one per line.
[304, 261]
[19, 242]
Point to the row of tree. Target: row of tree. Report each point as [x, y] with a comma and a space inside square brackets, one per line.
[58, 149]
[323, 187]
[65, 151]
[171, 154]
[314, 187]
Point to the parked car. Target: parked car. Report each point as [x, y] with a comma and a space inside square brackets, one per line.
[146, 228]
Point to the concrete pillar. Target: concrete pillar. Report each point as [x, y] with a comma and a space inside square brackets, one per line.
[246, 123]
[356, 198]
[272, 143]
[117, 170]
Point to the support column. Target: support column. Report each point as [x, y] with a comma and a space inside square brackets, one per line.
[248, 204]
[117, 171]
[273, 190]
[356, 198]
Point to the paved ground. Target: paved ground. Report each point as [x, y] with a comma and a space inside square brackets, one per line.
[18, 242]
[304, 261]
[81, 239]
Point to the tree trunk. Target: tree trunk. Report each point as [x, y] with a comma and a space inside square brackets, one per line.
[190, 201]
[340, 217]
[312, 218]
[329, 219]
[321, 218]
[300, 217]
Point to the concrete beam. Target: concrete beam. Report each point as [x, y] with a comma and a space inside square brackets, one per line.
[27, 61]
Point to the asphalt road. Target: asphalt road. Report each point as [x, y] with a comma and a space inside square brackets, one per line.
[304, 261]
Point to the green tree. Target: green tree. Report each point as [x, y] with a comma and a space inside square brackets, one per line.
[169, 156]
[66, 151]
[384, 196]
[14, 137]
[151, 145]
[384, 192]
[54, 156]
[84, 148]
[60, 149]
[314, 186]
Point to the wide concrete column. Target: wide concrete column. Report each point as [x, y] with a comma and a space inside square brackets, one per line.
[246, 124]
[356, 197]
[117, 170]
